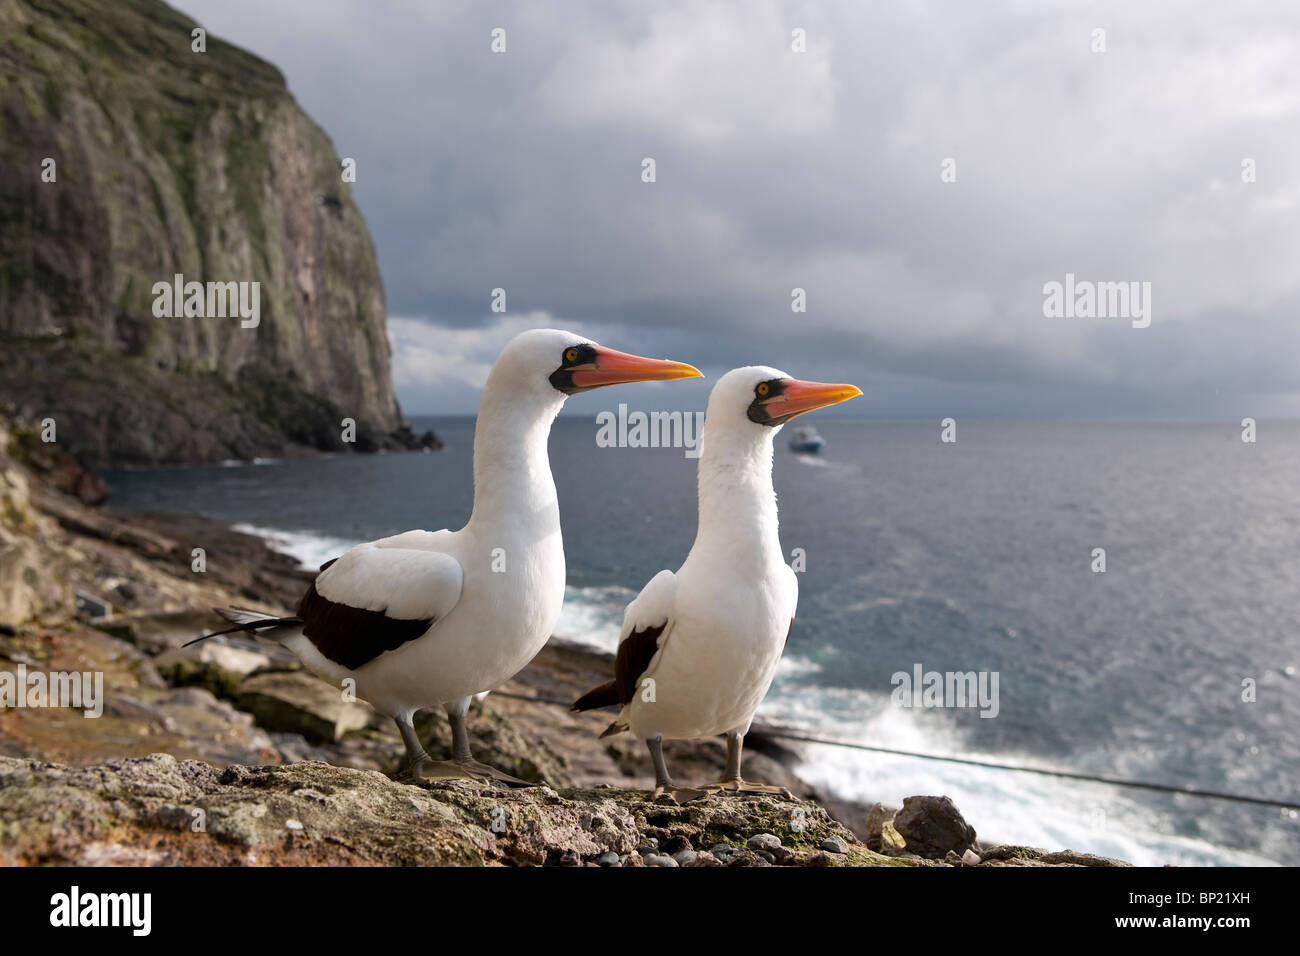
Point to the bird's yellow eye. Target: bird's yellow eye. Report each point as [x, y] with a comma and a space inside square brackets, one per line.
[570, 355]
[763, 388]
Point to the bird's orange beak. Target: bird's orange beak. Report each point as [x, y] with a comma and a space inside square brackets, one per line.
[798, 397]
[611, 367]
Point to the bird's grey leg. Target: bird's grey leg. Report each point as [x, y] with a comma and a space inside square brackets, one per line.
[731, 779]
[415, 751]
[656, 745]
[664, 786]
[461, 755]
[735, 744]
[462, 765]
[421, 768]
[456, 711]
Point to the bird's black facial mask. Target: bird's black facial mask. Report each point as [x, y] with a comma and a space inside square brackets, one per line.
[765, 392]
[574, 356]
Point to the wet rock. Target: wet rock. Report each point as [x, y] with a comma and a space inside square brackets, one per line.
[932, 826]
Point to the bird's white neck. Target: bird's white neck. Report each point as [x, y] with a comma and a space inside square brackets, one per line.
[513, 489]
[738, 515]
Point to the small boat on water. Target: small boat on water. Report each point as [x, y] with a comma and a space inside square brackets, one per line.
[805, 439]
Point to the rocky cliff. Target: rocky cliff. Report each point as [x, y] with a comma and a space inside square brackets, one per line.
[130, 158]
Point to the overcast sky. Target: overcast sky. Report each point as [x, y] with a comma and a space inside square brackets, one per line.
[822, 170]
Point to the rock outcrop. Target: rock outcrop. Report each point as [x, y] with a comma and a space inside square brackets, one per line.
[130, 158]
[158, 810]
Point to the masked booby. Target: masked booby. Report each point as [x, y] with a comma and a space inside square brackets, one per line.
[428, 618]
[699, 647]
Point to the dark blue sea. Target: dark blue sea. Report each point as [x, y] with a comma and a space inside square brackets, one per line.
[972, 556]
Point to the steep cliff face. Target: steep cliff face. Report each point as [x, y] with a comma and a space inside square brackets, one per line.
[168, 161]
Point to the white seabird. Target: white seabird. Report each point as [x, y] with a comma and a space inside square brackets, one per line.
[429, 618]
[699, 648]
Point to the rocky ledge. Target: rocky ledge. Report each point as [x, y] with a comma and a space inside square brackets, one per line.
[158, 810]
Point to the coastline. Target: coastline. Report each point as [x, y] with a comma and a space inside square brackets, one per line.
[118, 593]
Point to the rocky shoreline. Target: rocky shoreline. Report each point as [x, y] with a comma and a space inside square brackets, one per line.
[230, 753]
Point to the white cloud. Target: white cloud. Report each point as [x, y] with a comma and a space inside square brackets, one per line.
[431, 357]
[699, 72]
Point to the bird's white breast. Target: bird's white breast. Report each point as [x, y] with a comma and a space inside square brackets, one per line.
[727, 634]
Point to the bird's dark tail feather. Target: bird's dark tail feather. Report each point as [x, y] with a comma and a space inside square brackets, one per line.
[612, 729]
[246, 620]
[606, 695]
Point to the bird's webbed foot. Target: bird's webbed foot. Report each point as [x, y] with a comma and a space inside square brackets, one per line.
[737, 785]
[671, 793]
[482, 771]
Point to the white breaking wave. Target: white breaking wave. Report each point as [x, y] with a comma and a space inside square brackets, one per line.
[1018, 808]
[594, 616]
[1003, 805]
[310, 548]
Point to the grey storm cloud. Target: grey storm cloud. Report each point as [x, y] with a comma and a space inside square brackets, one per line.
[821, 170]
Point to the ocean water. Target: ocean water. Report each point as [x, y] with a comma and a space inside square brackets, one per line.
[972, 556]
